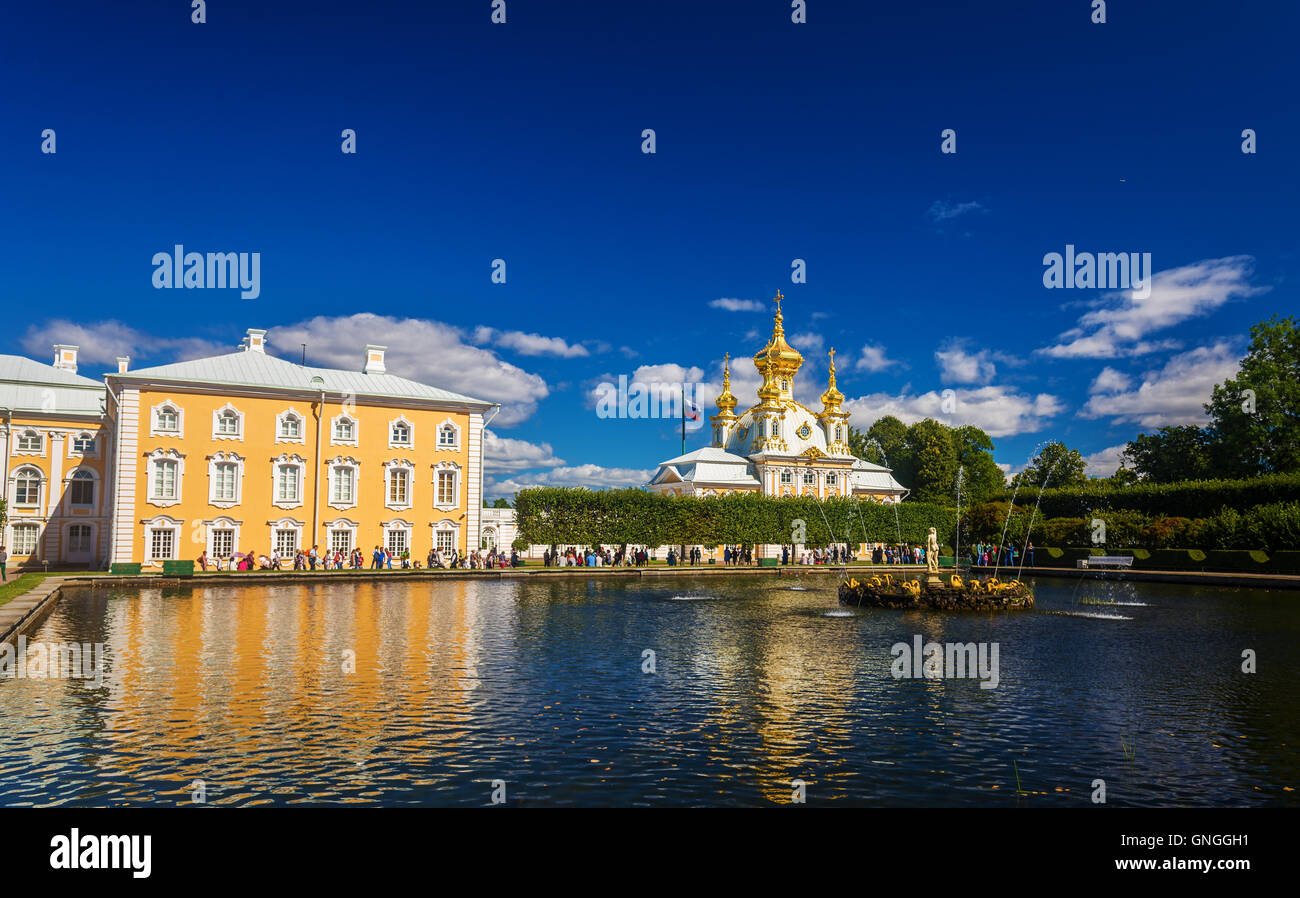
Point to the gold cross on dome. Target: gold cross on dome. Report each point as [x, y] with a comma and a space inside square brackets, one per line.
[777, 299]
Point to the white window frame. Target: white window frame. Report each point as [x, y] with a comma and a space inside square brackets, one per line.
[23, 434]
[447, 447]
[410, 433]
[221, 523]
[287, 524]
[446, 526]
[340, 525]
[332, 467]
[356, 430]
[76, 474]
[284, 416]
[454, 470]
[397, 525]
[155, 431]
[74, 452]
[161, 522]
[390, 470]
[13, 538]
[67, 537]
[293, 461]
[221, 414]
[225, 458]
[42, 484]
[151, 462]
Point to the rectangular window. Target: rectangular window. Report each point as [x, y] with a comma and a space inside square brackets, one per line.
[832, 479]
[396, 542]
[27, 491]
[223, 483]
[446, 488]
[289, 428]
[286, 483]
[223, 542]
[446, 540]
[29, 441]
[401, 435]
[341, 541]
[84, 445]
[162, 544]
[25, 539]
[343, 490]
[79, 538]
[447, 437]
[286, 543]
[168, 420]
[809, 479]
[787, 477]
[164, 480]
[343, 429]
[82, 491]
[228, 424]
[399, 484]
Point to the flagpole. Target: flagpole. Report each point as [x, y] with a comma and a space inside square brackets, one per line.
[683, 419]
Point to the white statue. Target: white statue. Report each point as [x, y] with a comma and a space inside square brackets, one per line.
[932, 552]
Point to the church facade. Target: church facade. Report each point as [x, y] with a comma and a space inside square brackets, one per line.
[778, 446]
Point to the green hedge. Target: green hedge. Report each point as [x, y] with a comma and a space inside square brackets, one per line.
[1188, 499]
[1234, 560]
[573, 515]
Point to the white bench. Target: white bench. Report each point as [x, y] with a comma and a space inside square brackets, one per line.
[1110, 561]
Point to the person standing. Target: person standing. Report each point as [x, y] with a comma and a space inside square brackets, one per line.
[4, 563]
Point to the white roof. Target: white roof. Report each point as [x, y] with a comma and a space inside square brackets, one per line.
[707, 465]
[30, 386]
[258, 369]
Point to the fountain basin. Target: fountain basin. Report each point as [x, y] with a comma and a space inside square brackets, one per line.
[952, 594]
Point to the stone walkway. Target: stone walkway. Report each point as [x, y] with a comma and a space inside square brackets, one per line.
[16, 612]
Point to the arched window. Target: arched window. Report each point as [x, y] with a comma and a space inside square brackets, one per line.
[344, 430]
[288, 427]
[448, 435]
[167, 419]
[27, 487]
[227, 424]
[81, 488]
[400, 433]
[84, 444]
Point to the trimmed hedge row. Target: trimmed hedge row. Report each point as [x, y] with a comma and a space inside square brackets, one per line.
[1272, 527]
[1237, 560]
[1189, 499]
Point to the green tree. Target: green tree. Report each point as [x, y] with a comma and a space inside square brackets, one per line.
[1064, 466]
[1171, 454]
[983, 477]
[1255, 416]
[932, 451]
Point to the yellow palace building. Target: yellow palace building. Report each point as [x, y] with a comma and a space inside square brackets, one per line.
[238, 453]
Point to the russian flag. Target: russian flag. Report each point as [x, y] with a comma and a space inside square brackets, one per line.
[692, 411]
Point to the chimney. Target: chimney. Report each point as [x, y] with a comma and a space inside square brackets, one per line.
[122, 362]
[375, 360]
[65, 357]
[255, 341]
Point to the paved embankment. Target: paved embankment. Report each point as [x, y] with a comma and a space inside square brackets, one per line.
[23, 614]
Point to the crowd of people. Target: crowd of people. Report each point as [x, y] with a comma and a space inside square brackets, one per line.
[990, 554]
[381, 558]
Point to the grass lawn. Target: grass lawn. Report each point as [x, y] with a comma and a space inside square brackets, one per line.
[18, 585]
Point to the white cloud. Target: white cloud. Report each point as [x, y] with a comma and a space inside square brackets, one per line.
[1110, 381]
[956, 365]
[427, 351]
[508, 454]
[663, 382]
[592, 476]
[530, 344]
[1104, 462]
[1171, 395]
[808, 343]
[944, 211]
[1120, 320]
[102, 342]
[873, 359]
[737, 305]
[999, 411]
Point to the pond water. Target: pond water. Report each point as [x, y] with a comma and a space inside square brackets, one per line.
[409, 693]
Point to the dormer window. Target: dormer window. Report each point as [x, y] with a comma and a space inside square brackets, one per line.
[400, 433]
[448, 436]
[345, 430]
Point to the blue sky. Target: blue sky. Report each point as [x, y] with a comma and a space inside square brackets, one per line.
[775, 142]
